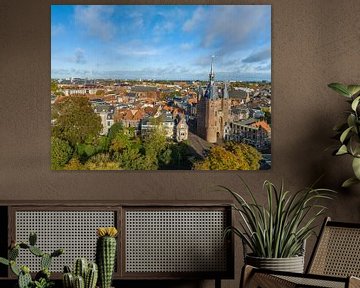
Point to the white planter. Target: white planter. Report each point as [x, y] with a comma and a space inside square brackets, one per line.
[291, 264]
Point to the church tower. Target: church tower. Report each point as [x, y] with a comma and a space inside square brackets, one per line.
[213, 110]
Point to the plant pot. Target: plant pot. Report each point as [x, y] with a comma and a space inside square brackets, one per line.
[291, 264]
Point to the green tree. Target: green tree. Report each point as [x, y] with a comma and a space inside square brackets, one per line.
[131, 158]
[154, 145]
[120, 142]
[231, 157]
[114, 129]
[61, 152]
[54, 86]
[76, 121]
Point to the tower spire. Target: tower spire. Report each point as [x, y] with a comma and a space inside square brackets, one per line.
[212, 74]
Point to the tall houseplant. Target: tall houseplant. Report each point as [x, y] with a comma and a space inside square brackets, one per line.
[349, 132]
[275, 234]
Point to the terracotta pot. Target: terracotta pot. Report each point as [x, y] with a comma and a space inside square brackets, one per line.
[291, 264]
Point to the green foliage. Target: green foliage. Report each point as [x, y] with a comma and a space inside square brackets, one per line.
[42, 278]
[101, 162]
[279, 229]
[114, 129]
[54, 86]
[43, 283]
[231, 156]
[76, 122]
[61, 152]
[349, 132]
[74, 164]
[122, 149]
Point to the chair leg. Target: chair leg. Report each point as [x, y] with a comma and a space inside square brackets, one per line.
[217, 283]
[354, 282]
[246, 273]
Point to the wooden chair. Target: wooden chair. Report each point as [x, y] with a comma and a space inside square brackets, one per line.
[335, 262]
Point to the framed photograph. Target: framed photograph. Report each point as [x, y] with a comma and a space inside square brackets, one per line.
[160, 87]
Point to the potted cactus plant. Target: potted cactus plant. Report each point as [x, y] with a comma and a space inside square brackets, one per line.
[106, 254]
[275, 233]
[349, 132]
[84, 275]
[42, 278]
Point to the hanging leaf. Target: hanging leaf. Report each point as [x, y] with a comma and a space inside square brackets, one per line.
[355, 103]
[340, 88]
[354, 145]
[353, 89]
[351, 120]
[345, 134]
[342, 150]
[349, 182]
[356, 167]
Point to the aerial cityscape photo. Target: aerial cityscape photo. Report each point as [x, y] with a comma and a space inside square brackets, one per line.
[161, 87]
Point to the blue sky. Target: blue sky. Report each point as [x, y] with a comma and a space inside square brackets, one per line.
[161, 42]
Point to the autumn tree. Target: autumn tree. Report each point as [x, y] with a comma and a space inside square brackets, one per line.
[231, 156]
[76, 121]
[60, 153]
[101, 161]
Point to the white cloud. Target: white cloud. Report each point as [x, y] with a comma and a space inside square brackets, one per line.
[137, 19]
[137, 49]
[258, 56]
[186, 46]
[230, 28]
[235, 27]
[57, 29]
[163, 28]
[196, 18]
[95, 20]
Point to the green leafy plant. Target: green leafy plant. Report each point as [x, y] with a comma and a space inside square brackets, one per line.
[349, 132]
[42, 278]
[279, 229]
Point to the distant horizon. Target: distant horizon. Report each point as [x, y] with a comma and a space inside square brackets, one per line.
[139, 77]
[161, 42]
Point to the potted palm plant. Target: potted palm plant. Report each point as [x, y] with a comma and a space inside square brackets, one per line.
[349, 132]
[275, 234]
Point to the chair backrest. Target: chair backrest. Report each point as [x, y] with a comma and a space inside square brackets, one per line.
[337, 251]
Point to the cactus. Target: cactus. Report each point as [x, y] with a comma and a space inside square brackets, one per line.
[32, 239]
[79, 282]
[24, 278]
[68, 280]
[91, 276]
[13, 253]
[105, 255]
[67, 269]
[14, 268]
[36, 251]
[45, 261]
[4, 261]
[80, 267]
[87, 272]
[57, 252]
